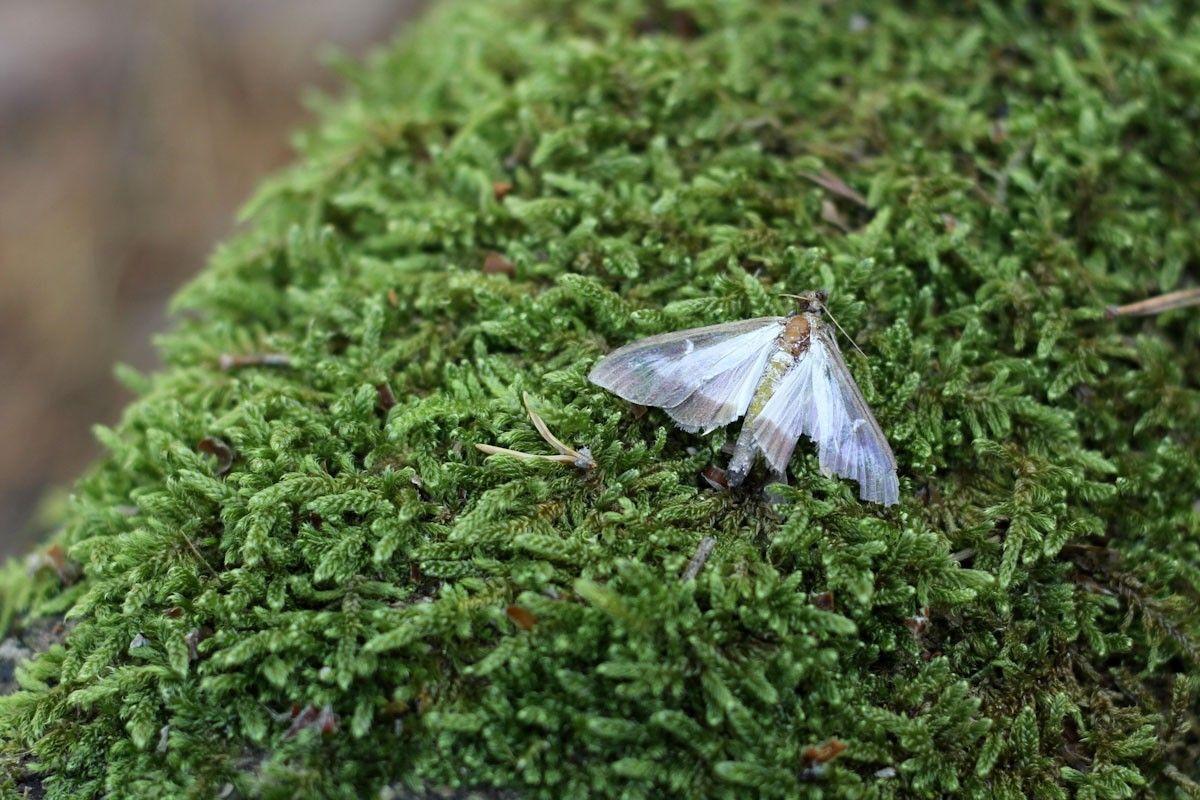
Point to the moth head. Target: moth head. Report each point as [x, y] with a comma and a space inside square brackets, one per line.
[810, 301]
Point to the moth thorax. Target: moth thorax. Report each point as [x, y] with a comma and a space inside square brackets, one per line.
[795, 334]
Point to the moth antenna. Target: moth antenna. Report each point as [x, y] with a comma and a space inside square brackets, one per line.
[843, 330]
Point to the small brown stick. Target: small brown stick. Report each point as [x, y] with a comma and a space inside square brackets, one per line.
[581, 458]
[228, 361]
[832, 183]
[199, 555]
[700, 559]
[1156, 305]
[969, 552]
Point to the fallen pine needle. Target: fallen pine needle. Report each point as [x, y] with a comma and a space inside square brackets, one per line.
[699, 559]
[581, 458]
[228, 361]
[1156, 305]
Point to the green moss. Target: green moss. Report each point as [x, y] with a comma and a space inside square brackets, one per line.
[1024, 624]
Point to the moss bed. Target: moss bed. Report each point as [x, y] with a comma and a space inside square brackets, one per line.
[294, 576]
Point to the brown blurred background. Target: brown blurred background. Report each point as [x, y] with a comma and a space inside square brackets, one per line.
[130, 132]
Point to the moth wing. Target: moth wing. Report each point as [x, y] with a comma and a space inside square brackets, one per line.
[862, 451]
[724, 397]
[819, 399]
[667, 369]
[791, 410]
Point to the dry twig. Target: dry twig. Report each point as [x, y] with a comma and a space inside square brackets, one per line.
[581, 458]
[1156, 305]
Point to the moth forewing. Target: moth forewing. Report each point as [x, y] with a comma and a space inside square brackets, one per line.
[722, 398]
[668, 370]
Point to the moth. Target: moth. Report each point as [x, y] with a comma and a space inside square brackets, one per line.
[787, 377]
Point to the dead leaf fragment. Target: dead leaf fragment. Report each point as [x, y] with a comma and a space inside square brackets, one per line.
[54, 558]
[310, 717]
[522, 617]
[211, 445]
[825, 752]
[823, 601]
[715, 477]
[830, 213]
[385, 397]
[496, 264]
[918, 622]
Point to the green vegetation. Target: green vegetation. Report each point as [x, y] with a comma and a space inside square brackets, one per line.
[301, 579]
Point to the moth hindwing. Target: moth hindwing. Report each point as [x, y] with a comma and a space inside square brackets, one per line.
[786, 375]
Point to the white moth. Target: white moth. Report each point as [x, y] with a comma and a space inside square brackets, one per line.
[784, 374]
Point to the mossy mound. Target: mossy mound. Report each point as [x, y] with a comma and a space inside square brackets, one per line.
[299, 578]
